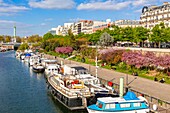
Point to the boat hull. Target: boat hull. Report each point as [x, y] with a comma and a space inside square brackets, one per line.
[69, 103]
[134, 111]
[39, 70]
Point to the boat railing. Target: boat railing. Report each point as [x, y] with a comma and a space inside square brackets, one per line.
[72, 92]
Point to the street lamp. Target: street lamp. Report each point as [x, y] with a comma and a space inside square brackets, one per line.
[96, 61]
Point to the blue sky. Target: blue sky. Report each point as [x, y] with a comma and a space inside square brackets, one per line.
[38, 16]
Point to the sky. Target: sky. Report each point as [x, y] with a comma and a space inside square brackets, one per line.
[38, 16]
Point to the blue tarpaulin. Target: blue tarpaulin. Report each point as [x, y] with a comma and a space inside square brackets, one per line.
[130, 96]
[27, 54]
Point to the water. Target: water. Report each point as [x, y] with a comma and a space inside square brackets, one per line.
[23, 91]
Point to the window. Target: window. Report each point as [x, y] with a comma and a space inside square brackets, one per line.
[137, 104]
[124, 105]
[100, 105]
[110, 106]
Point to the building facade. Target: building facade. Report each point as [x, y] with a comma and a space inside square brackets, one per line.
[127, 23]
[82, 26]
[89, 26]
[154, 15]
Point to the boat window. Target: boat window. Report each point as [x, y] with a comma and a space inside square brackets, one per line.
[48, 69]
[125, 105]
[137, 104]
[100, 105]
[110, 106]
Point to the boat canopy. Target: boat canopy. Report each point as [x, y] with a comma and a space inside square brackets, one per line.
[130, 96]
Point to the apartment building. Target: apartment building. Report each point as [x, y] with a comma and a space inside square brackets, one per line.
[82, 26]
[89, 26]
[61, 30]
[127, 23]
[154, 15]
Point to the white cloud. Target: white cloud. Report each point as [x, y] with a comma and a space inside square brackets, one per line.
[107, 5]
[12, 9]
[139, 2]
[43, 24]
[52, 4]
[6, 9]
[48, 19]
[138, 11]
[115, 4]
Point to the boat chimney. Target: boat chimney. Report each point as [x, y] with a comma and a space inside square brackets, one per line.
[121, 87]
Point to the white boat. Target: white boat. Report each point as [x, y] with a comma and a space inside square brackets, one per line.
[69, 91]
[34, 59]
[46, 62]
[22, 56]
[52, 69]
[128, 104]
[38, 68]
[18, 53]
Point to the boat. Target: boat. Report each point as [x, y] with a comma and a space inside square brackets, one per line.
[81, 73]
[69, 91]
[38, 68]
[46, 62]
[126, 104]
[52, 69]
[27, 57]
[22, 56]
[34, 59]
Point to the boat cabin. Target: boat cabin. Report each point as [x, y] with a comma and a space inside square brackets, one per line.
[120, 104]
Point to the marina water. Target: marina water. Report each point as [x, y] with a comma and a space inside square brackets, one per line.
[23, 91]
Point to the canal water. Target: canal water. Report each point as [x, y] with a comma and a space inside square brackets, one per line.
[23, 91]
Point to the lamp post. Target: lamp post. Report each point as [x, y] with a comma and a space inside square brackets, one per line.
[96, 62]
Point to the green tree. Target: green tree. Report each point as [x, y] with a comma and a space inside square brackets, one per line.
[94, 38]
[1, 38]
[7, 39]
[18, 39]
[116, 33]
[47, 36]
[105, 39]
[140, 34]
[23, 46]
[127, 34]
[158, 34]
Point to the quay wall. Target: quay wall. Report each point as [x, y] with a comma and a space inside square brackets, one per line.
[163, 105]
[157, 51]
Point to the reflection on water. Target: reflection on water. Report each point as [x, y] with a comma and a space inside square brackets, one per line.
[22, 90]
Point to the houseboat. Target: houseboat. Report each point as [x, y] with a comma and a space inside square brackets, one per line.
[81, 73]
[69, 91]
[38, 68]
[126, 104]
